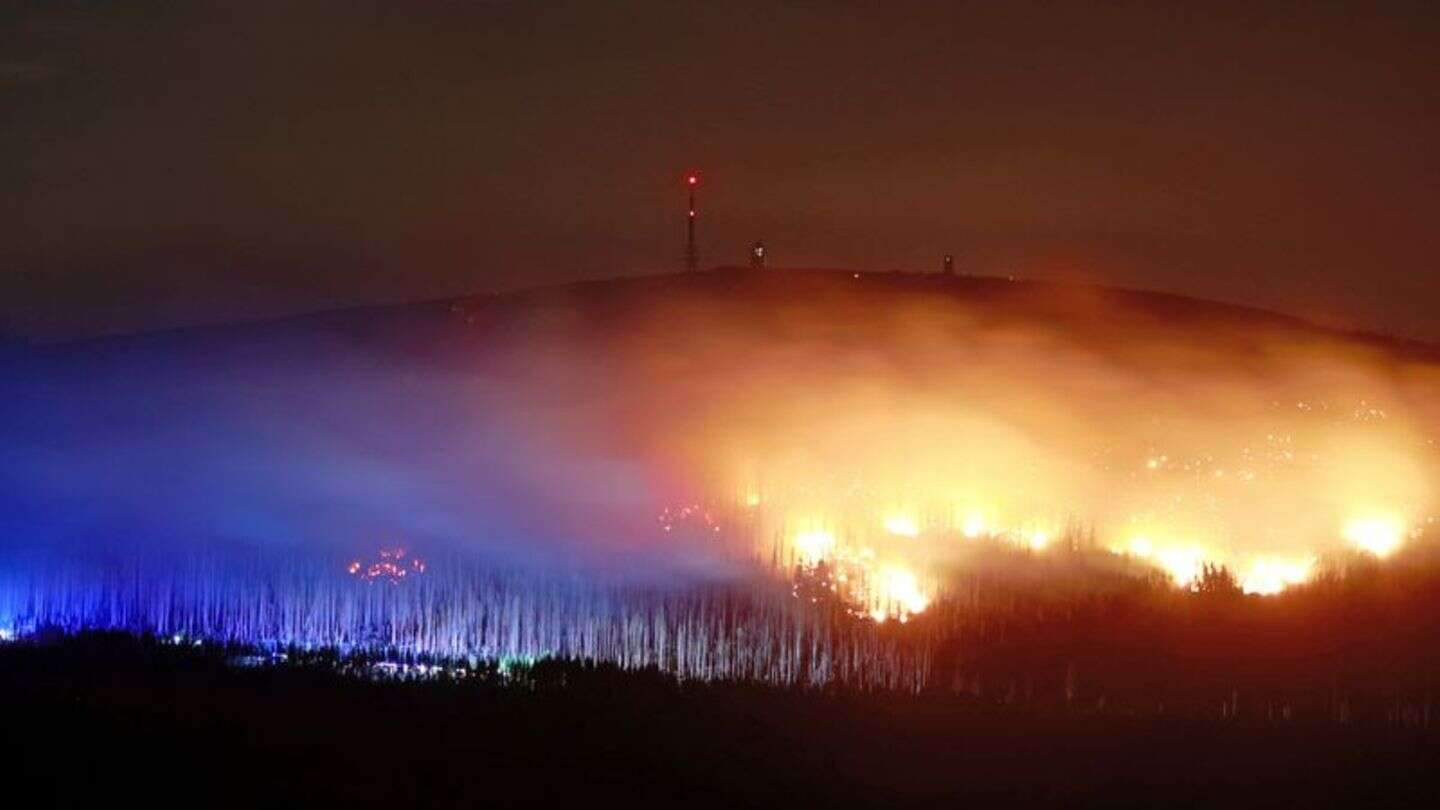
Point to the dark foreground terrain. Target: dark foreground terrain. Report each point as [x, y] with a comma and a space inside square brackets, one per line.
[117, 719]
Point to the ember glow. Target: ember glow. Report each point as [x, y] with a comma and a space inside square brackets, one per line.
[390, 565]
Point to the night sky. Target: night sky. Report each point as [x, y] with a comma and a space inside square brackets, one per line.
[166, 163]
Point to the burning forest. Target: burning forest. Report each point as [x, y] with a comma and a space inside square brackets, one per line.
[1020, 492]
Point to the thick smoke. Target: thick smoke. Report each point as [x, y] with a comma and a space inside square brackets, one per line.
[898, 414]
[895, 415]
[302, 440]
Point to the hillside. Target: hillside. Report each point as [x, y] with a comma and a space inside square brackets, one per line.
[612, 303]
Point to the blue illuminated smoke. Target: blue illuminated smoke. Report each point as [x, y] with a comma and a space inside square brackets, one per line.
[212, 486]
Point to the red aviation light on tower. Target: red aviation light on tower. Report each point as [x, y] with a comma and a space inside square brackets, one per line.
[692, 253]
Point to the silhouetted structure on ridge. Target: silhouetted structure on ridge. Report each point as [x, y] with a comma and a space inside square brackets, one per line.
[692, 252]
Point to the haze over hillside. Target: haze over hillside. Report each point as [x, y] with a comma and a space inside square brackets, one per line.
[576, 413]
[1013, 298]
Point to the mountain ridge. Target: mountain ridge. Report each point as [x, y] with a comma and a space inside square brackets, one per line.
[616, 293]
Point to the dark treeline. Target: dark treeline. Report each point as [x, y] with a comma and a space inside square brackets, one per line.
[1067, 633]
[124, 718]
[1358, 645]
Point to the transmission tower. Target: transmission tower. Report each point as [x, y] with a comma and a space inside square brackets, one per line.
[692, 252]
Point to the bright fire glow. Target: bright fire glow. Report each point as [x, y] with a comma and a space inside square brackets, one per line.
[903, 525]
[814, 546]
[1182, 562]
[1380, 535]
[1271, 575]
[898, 594]
[973, 525]
[935, 434]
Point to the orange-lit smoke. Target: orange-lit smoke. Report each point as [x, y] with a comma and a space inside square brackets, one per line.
[877, 429]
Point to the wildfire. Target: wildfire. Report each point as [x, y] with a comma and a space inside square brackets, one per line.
[898, 593]
[1380, 535]
[1271, 575]
[881, 566]
[973, 525]
[1182, 562]
[692, 516]
[920, 435]
[855, 572]
[814, 546]
[902, 525]
[392, 564]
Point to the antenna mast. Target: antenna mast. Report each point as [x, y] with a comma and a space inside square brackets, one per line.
[692, 253]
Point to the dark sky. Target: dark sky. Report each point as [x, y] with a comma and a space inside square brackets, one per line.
[179, 162]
